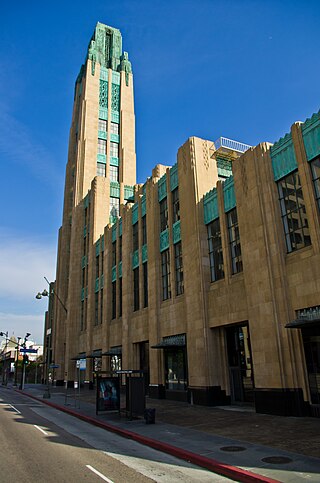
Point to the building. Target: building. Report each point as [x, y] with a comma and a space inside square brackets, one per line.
[207, 276]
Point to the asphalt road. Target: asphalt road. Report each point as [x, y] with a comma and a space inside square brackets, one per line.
[42, 444]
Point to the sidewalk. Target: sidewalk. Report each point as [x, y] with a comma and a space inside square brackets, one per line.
[235, 442]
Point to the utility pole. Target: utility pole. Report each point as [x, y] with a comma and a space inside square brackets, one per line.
[23, 375]
[16, 363]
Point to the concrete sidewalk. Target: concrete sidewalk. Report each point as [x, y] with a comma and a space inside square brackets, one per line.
[237, 443]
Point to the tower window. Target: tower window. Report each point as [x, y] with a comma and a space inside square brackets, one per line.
[293, 212]
[114, 173]
[102, 125]
[114, 150]
[165, 275]
[215, 250]
[178, 268]
[175, 205]
[163, 214]
[102, 146]
[234, 241]
[315, 169]
[136, 289]
[101, 169]
[114, 128]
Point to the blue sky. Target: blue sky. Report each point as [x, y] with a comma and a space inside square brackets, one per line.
[241, 69]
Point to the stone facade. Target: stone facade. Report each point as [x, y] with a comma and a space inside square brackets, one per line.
[198, 275]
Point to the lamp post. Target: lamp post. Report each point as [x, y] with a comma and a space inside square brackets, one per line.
[4, 366]
[16, 363]
[23, 375]
[48, 339]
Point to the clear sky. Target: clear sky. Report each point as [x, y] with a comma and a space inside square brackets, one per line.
[241, 69]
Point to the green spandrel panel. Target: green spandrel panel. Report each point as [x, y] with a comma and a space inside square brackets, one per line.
[115, 97]
[176, 232]
[114, 233]
[114, 161]
[162, 187]
[135, 259]
[82, 294]
[114, 189]
[210, 206]
[144, 253]
[143, 205]
[96, 285]
[102, 135]
[85, 231]
[116, 78]
[97, 248]
[104, 73]
[311, 136]
[115, 138]
[164, 240]
[174, 181]
[120, 269]
[103, 113]
[135, 213]
[283, 157]
[114, 273]
[83, 261]
[229, 195]
[115, 117]
[224, 167]
[86, 201]
[128, 192]
[103, 94]
[101, 158]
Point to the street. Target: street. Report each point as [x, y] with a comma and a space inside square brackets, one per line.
[42, 444]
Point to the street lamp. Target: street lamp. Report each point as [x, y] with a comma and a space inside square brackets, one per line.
[24, 346]
[4, 368]
[16, 362]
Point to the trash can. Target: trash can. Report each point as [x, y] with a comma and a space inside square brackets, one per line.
[150, 415]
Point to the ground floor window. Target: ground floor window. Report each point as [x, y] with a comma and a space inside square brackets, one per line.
[311, 342]
[176, 369]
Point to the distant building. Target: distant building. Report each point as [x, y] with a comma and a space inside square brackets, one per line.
[207, 276]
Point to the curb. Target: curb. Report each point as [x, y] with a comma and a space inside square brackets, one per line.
[233, 472]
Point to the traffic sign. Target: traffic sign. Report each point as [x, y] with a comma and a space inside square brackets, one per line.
[29, 351]
[54, 366]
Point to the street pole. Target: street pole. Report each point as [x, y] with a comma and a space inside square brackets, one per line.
[23, 375]
[16, 363]
[4, 365]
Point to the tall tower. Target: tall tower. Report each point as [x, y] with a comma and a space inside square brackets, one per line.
[101, 162]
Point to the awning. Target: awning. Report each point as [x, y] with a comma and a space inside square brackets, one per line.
[77, 358]
[303, 323]
[94, 354]
[171, 342]
[113, 351]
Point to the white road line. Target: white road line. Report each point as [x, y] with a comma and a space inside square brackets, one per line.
[40, 429]
[99, 474]
[15, 409]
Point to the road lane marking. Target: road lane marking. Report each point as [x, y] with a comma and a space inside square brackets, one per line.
[15, 409]
[40, 429]
[99, 474]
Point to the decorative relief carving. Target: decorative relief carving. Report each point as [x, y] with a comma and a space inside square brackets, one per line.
[205, 154]
[103, 93]
[115, 97]
[192, 152]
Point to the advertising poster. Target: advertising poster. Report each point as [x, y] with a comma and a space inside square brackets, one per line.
[108, 394]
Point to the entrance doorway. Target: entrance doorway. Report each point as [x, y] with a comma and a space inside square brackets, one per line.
[311, 342]
[240, 364]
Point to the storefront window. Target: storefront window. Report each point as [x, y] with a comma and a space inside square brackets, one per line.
[176, 369]
[311, 342]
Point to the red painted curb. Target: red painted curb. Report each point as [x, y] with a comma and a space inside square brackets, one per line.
[233, 472]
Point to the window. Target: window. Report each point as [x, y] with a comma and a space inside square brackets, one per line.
[114, 253]
[176, 369]
[315, 169]
[82, 315]
[215, 250]
[163, 214]
[101, 306]
[145, 284]
[120, 248]
[114, 128]
[293, 212]
[114, 207]
[175, 205]
[97, 266]
[114, 150]
[178, 268]
[101, 169]
[234, 241]
[144, 230]
[114, 173]
[102, 263]
[120, 297]
[102, 146]
[165, 274]
[102, 125]
[135, 237]
[96, 308]
[114, 300]
[136, 289]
